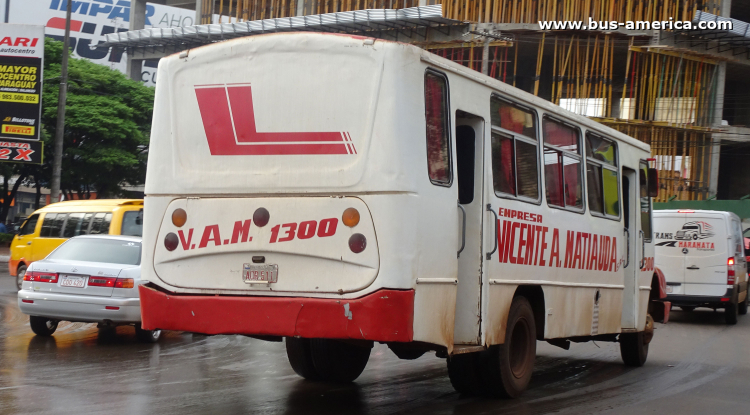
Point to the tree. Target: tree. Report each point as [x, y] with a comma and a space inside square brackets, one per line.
[107, 125]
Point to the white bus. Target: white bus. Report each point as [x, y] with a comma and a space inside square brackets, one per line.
[338, 190]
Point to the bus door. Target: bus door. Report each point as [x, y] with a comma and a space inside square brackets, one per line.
[632, 241]
[469, 167]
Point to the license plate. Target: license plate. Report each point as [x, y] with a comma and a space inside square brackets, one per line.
[260, 273]
[669, 289]
[70, 281]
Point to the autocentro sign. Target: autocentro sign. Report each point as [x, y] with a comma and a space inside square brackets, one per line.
[21, 63]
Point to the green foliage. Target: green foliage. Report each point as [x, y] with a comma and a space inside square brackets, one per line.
[6, 237]
[107, 124]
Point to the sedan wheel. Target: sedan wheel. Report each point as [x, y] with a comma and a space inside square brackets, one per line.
[147, 336]
[20, 273]
[42, 326]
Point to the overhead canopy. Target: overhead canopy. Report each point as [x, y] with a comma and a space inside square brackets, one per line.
[359, 21]
[737, 38]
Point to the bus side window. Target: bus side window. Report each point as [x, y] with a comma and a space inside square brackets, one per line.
[52, 225]
[645, 201]
[515, 165]
[438, 128]
[562, 165]
[602, 176]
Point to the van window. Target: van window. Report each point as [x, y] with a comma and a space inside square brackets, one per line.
[53, 224]
[601, 176]
[515, 166]
[86, 223]
[100, 223]
[74, 226]
[562, 165]
[132, 223]
[645, 202]
[438, 127]
[30, 225]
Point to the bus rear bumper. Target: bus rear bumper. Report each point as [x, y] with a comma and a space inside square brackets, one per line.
[385, 315]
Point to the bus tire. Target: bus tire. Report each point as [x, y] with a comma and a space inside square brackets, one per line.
[506, 368]
[730, 313]
[338, 361]
[463, 371]
[300, 357]
[633, 349]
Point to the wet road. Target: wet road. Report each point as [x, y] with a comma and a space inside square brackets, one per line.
[697, 365]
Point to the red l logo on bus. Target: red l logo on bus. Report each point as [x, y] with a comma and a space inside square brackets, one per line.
[229, 123]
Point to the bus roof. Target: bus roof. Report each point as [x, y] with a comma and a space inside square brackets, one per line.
[67, 205]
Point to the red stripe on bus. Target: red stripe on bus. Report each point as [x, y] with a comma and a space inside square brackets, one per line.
[385, 315]
[219, 116]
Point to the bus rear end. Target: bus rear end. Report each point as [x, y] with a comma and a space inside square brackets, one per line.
[279, 182]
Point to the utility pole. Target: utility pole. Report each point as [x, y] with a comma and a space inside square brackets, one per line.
[60, 129]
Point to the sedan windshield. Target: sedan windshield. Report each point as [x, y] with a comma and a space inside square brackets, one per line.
[111, 251]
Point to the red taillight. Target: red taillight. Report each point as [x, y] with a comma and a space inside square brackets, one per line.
[124, 283]
[40, 276]
[730, 271]
[28, 301]
[357, 243]
[171, 241]
[102, 281]
[109, 307]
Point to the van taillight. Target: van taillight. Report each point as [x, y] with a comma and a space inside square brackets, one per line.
[40, 276]
[102, 281]
[730, 271]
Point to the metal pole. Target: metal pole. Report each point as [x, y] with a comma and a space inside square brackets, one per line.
[486, 55]
[60, 129]
[7, 11]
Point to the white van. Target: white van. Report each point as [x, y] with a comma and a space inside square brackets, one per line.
[702, 256]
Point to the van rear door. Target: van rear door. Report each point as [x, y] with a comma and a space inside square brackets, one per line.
[669, 258]
[704, 244]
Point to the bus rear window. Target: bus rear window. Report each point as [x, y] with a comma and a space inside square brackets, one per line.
[438, 127]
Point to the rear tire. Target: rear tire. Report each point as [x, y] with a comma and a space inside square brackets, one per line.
[506, 369]
[42, 326]
[633, 349]
[326, 359]
[730, 313]
[147, 336]
[20, 273]
[300, 357]
[463, 371]
[742, 309]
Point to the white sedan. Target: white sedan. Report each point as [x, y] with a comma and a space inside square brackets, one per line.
[89, 278]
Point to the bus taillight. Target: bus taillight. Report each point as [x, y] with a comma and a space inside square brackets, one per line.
[171, 241]
[179, 217]
[350, 218]
[357, 243]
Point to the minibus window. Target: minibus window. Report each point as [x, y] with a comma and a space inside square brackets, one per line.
[52, 225]
[130, 224]
[562, 165]
[86, 223]
[645, 202]
[100, 225]
[515, 165]
[73, 225]
[436, 116]
[30, 225]
[602, 176]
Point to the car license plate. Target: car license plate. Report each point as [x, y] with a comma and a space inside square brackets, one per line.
[669, 289]
[252, 273]
[71, 281]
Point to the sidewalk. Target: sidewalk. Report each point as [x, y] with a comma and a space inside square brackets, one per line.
[4, 254]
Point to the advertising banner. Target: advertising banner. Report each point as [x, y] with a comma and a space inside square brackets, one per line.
[21, 63]
[91, 21]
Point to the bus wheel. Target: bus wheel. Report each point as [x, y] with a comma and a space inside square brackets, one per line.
[300, 357]
[634, 346]
[506, 369]
[463, 371]
[338, 361]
